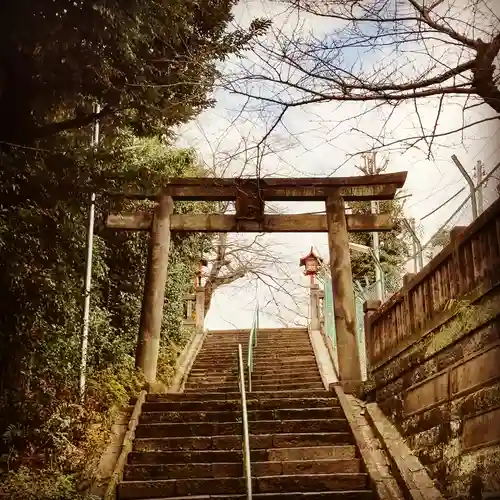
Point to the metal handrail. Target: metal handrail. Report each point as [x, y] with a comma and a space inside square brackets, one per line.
[252, 342]
[246, 436]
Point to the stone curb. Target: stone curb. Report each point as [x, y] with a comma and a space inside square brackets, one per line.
[412, 474]
[127, 445]
[381, 478]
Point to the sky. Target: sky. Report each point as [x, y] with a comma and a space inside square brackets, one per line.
[322, 140]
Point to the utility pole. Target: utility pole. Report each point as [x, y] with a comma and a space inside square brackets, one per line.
[94, 141]
[418, 250]
[371, 166]
[414, 246]
[480, 185]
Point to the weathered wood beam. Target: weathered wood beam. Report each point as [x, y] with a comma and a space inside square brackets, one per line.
[268, 193]
[366, 187]
[137, 221]
[215, 223]
[320, 193]
[249, 202]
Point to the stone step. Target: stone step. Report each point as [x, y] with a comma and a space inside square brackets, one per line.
[211, 379]
[252, 404]
[261, 366]
[270, 349]
[221, 371]
[234, 428]
[298, 495]
[261, 342]
[229, 387]
[235, 469]
[192, 456]
[290, 365]
[309, 356]
[291, 377]
[204, 395]
[276, 353]
[229, 416]
[222, 351]
[257, 386]
[309, 371]
[286, 372]
[323, 452]
[264, 343]
[283, 353]
[202, 381]
[285, 364]
[309, 385]
[339, 452]
[257, 441]
[219, 359]
[225, 485]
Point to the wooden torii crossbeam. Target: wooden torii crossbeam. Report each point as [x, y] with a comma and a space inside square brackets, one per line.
[250, 196]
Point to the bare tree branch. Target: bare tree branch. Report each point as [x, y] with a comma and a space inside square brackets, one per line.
[380, 51]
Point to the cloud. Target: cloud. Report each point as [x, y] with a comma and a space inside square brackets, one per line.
[323, 139]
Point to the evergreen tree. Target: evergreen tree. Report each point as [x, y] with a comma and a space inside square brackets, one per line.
[395, 247]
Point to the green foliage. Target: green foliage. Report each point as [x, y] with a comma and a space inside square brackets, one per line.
[28, 484]
[42, 261]
[150, 63]
[395, 246]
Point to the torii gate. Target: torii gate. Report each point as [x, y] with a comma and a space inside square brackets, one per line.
[250, 195]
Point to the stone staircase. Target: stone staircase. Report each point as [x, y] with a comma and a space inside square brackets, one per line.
[188, 445]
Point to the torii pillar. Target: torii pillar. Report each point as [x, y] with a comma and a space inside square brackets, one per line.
[344, 306]
[148, 345]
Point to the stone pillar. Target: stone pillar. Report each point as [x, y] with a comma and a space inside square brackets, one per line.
[456, 232]
[200, 308]
[315, 313]
[344, 307]
[407, 278]
[369, 308]
[148, 344]
[189, 309]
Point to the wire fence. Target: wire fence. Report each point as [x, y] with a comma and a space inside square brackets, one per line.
[360, 295]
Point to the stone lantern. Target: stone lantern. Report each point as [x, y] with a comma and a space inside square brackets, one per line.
[199, 274]
[311, 263]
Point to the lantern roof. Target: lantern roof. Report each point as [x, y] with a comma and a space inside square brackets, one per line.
[311, 253]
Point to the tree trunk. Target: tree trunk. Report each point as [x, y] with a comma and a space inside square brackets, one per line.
[483, 79]
[16, 100]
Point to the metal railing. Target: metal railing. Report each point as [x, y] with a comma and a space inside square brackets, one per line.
[328, 315]
[252, 343]
[246, 437]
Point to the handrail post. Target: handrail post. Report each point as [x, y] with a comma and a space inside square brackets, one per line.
[252, 342]
[250, 359]
[246, 437]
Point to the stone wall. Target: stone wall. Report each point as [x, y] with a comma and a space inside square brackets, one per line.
[434, 362]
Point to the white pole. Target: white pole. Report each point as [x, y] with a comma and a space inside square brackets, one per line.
[414, 247]
[88, 272]
[376, 252]
[479, 180]
[472, 188]
[371, 164]
[86, 307]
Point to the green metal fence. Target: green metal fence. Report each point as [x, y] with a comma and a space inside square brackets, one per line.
[325, 280]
